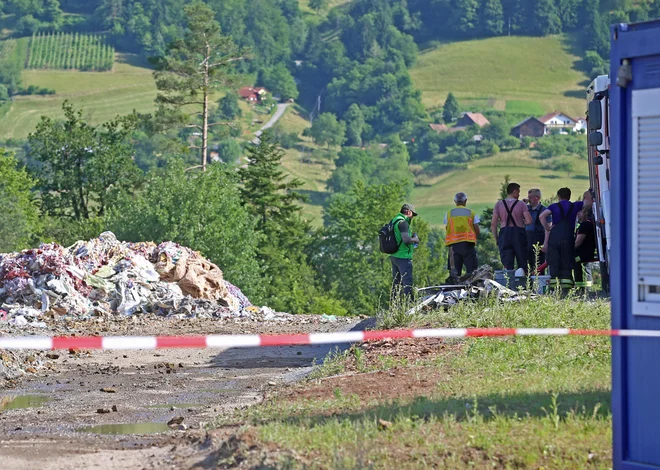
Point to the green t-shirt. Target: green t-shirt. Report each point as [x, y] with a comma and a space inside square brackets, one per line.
[405, 250]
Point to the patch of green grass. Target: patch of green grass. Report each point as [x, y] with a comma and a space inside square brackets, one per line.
[531, 108]
[299, 164]
[503, 68]
[102, 95]
[483, 178]
[520, 402]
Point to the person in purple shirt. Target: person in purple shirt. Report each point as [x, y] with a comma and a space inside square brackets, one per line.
[560, 247]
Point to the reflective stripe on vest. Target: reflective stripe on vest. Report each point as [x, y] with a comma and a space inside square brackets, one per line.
[460, 226]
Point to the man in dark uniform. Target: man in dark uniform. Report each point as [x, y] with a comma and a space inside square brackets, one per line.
[560, 250]
[585, 250]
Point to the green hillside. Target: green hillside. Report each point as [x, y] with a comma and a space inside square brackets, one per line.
[103, 95]
[527, 75]
[433, 195]
[483, 178]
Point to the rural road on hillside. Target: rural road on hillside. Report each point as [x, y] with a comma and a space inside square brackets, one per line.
[281, 107]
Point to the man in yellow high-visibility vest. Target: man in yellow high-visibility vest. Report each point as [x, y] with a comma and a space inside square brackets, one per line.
[462, 228]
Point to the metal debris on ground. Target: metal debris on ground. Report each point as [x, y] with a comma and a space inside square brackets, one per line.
[479, 284]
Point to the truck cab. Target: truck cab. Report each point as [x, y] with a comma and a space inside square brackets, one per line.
[598, 138]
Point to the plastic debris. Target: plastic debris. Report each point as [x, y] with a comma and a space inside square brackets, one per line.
[478, 285]
[104, 276]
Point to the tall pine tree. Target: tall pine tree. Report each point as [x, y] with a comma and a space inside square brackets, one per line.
[450, 110]
[193, 68]
[270, 195]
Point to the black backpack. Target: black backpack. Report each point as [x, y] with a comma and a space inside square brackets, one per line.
[388, 243]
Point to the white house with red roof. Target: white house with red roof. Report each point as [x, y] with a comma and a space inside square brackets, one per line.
[252, 94]
[561, 121]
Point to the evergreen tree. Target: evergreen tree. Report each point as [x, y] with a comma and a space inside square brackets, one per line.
[354, 125]
[492, 17]
[267, 191]
[450, 109]
[228, 107]
[568, 13]
[270, 195]
[191, 71]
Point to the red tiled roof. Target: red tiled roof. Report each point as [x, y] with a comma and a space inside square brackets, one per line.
[246, 92]
[549, 116]
[478, 118]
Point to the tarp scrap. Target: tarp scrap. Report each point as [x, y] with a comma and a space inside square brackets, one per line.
[106, 276]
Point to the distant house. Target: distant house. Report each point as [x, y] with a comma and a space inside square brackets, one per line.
[472, 119]
[252, 94]
[560, 121]
[530, 127]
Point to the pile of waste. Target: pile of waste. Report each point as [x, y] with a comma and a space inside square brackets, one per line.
[104, 276]
[478, 285]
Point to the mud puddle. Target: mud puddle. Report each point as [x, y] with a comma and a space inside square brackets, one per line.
[130, 428]
[22, 401]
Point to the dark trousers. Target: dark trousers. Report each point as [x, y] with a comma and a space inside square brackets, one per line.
[535, 257]
[561, 257]
[464, 253]
[512, 243]
[402, 277]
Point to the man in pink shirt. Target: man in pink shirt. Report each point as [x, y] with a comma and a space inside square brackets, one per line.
[511, 215]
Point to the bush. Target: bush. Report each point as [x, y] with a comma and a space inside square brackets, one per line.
[287, 140]
[510, 142]
[200, 210]
[19, 219]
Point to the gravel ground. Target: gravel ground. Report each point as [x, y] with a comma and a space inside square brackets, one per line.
[54, 414]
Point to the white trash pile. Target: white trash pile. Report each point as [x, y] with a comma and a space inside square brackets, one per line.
[104, 276]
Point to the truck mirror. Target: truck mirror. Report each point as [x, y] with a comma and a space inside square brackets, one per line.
[595, 139]
[595, 115]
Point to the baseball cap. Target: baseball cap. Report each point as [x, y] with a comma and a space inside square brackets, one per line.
[409, 207]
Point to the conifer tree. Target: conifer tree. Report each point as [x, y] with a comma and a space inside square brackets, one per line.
[191, 70]
[270, 195]
[450, 110]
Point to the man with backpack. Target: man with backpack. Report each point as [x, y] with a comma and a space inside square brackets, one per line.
[397, 241]
[535, 231]
[560, 248]
[511, 215]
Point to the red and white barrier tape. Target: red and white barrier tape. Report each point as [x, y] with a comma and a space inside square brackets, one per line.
[250, 341]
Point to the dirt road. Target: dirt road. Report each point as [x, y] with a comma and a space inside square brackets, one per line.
[110, 409]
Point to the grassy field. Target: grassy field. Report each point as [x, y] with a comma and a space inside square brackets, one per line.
[482, 180]
[538, 72]
[297, 163]
[455, 404]
[102, 95]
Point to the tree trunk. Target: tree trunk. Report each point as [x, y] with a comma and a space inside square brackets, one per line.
[205, 112]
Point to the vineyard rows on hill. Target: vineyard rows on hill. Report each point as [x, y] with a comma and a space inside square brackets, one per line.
[69, 51]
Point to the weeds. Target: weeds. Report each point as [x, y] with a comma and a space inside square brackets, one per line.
[497, 406]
